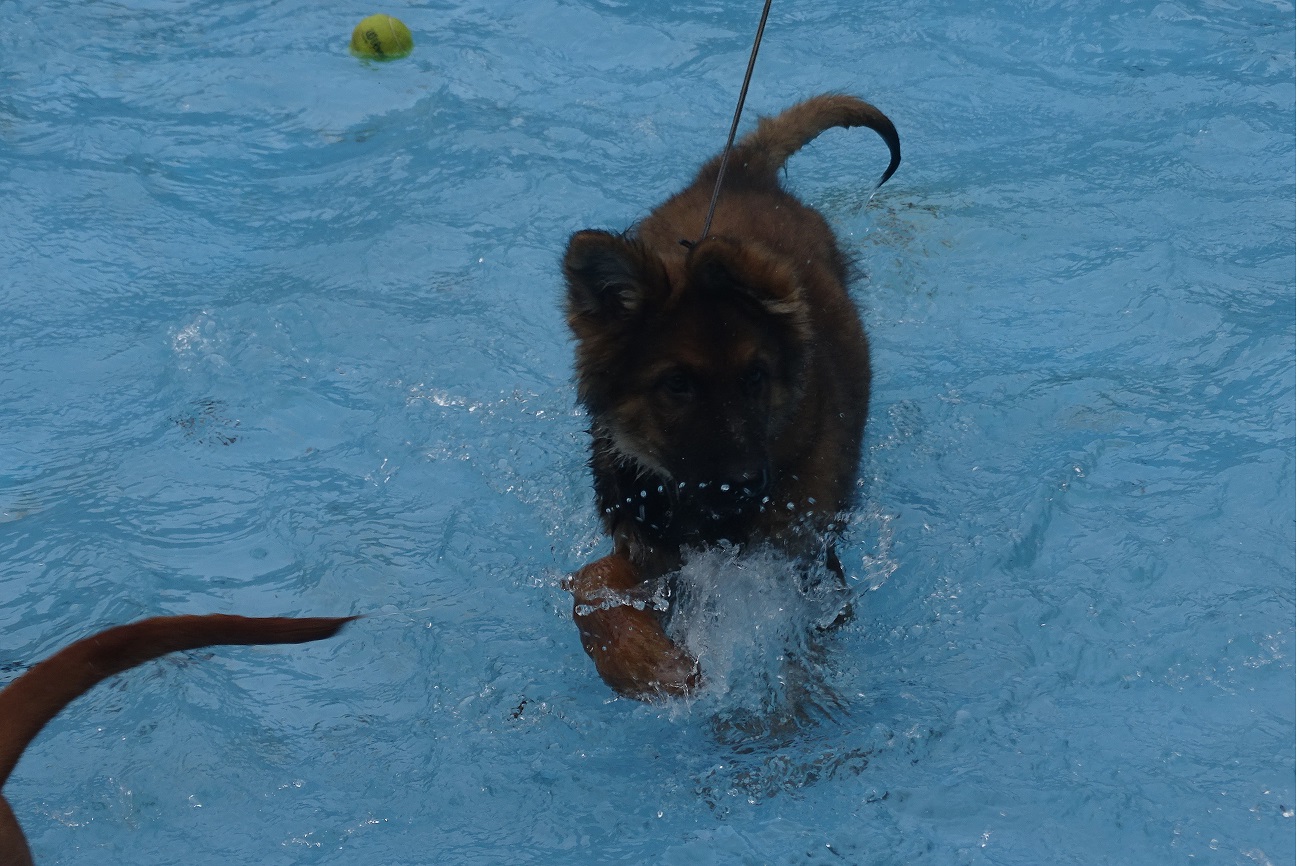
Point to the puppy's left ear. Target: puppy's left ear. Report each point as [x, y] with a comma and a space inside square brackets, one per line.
[720, 264]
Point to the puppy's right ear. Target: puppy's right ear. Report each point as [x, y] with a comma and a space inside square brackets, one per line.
[611, 280]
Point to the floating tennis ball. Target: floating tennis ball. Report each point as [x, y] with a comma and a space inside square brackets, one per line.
[381, 37]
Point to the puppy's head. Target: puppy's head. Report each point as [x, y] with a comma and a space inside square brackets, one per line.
[691, 366]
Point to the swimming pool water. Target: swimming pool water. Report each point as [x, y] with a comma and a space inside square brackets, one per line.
[282, 335]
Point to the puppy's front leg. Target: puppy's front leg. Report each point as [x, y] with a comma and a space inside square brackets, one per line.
[625, 639]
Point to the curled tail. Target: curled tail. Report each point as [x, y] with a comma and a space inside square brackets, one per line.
[762, 153]
[30, 701]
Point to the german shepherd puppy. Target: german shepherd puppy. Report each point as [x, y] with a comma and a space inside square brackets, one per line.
[30, 701]
[726, 378]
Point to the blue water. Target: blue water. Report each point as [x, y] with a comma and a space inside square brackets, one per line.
[281, 334]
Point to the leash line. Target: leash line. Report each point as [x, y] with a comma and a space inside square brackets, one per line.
[734, 124]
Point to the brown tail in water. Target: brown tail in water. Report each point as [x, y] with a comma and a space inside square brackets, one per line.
[30, 701]
[762, 153]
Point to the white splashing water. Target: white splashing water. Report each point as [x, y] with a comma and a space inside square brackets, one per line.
[757, 622]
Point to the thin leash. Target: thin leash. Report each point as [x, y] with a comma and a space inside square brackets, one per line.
[734, 124]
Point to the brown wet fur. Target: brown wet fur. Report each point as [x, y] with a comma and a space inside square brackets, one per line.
[34, 698]
[623, 636]
[727, 381]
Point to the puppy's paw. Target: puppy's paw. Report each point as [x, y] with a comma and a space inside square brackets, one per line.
[632, 653]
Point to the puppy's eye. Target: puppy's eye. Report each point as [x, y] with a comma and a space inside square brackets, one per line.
[755, 379]
[678, 384]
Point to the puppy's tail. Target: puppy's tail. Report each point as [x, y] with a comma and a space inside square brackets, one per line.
[30, 701]
[762, 153]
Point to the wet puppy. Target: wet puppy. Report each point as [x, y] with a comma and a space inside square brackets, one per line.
[726, 379]
[30, 701]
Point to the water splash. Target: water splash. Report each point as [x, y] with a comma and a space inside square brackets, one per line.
[759, 623]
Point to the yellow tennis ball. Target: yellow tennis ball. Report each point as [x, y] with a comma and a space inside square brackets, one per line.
[381, 37]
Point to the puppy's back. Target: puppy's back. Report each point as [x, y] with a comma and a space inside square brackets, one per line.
[753, 206]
